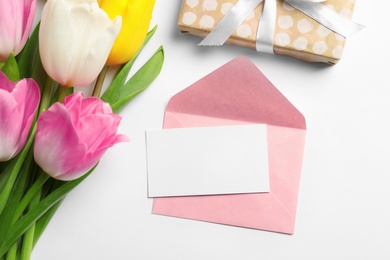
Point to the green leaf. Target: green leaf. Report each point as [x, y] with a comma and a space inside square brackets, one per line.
[7, 182]
[140, 80]
[26, 59]
[23, 224]
[21, 157]
[15, 196]
[11, 69]
[5, 173]
[29, 60]
[42, 223]
[112, 93]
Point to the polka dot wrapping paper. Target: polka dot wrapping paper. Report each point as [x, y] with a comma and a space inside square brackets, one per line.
[296, 34]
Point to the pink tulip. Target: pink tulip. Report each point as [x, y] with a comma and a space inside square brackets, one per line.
[72, 137]
[16, 19]
[18, 103]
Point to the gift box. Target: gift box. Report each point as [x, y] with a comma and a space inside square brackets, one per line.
[295, 33]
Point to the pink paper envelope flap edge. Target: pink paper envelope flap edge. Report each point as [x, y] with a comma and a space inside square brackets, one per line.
[274, 211]
[237, 91]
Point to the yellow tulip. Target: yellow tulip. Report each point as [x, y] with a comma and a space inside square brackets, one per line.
[136, 16]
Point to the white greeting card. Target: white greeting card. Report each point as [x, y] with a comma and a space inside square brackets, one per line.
[207, 160]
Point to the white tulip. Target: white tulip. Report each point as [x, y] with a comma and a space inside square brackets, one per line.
[75, 39]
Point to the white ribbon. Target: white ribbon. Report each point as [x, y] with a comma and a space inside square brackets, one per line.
[265, 32]
[230, 22]
[266, 28]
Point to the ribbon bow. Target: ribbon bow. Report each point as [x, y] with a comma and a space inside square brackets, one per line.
[265, 32]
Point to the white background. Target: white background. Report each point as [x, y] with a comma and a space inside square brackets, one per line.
[344, 209]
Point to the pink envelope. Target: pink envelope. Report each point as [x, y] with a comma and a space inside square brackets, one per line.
[238, 93]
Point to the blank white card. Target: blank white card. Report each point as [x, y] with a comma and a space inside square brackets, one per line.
[207, 160]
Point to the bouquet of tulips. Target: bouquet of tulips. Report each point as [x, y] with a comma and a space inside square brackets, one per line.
[52, 136]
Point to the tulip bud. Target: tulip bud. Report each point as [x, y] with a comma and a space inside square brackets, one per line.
[18, 103]
[16, 19]
[75, 39]
[72, 137]
[136, 15]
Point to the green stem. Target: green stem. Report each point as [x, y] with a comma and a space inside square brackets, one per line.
[63, 91]
[12, 252]
[99, 82]
[46, 95]
[11, 181]
[27, 244]
[37, 71]
[28, 237]
[32, 196]
[16, 195]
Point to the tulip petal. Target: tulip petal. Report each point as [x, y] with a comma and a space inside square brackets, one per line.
[97, 131]
[8, 27]
[18, 104]
[66, 24]
[26, 94]
[101, 36]
[57, 145]
[10, 126]
[73, 104]
[65, 150]
[5, 83]
[93, 131]
[136, 16]
[28, 19]
[16, 19]
[55, 40]
[93, 105]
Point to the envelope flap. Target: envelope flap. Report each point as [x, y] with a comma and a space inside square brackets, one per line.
[237, 91]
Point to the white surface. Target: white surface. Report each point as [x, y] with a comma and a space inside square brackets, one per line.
[207, 160]
[344, 209]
